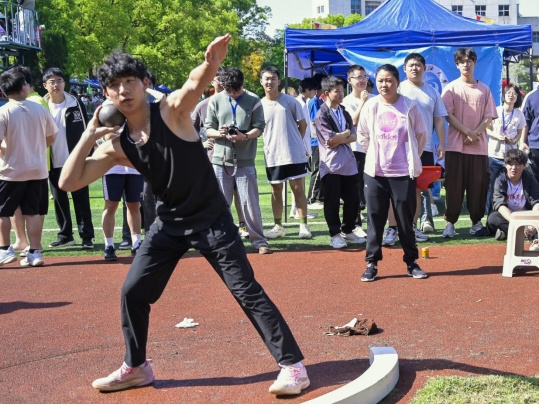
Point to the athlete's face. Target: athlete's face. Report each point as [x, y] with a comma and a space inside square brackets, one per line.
[127, 92]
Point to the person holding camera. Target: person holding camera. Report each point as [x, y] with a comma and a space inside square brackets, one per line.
[235, 119]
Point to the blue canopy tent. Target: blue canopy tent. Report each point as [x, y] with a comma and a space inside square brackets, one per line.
[398, 25]
[164, 89]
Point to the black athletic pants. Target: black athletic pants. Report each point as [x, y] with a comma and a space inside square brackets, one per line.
[401, 192]
[316, 188]
[222, 247]
[81, 206]
[336, 187]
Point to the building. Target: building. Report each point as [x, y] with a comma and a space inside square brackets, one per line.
[493, 11]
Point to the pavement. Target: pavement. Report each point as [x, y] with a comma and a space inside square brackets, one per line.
[60, 325]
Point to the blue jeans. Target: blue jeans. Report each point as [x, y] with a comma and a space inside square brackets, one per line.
[426, 208]
[497, 166]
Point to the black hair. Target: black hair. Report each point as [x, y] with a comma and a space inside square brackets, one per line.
[391, 69]
[12, 81]
[232, 79]
[330, 82]
[515, 155]
[120, 65]
[465, 52]
[53, 71]
[415, 56]
[220, 71]
[271, 69]
[518, 103]
[152, 78]
[307, 84]
[26, 72]
[353, 68]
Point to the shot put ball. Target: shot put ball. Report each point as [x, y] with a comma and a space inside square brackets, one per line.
[110, 116]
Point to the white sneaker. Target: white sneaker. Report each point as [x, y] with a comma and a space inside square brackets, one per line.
[316, 206]
[419, 236]
[304, 232]
[242, 230]
[276, 232]
[427, 227]
[449, 231]
[32, 259]
[360, 232]
[476, 227]
[434, 209]
[353, 238]
[391, 236]
[310, 215]
[7, 255]
[337, 242]
[125, 377]
[291, 380]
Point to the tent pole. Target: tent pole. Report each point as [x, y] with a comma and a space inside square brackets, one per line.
[286, 91]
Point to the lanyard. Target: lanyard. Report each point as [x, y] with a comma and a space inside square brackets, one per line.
[340, 117]
[504, 125]
[234, 107]
[514, 190]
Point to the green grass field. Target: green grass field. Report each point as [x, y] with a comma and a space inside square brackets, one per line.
[318, 226]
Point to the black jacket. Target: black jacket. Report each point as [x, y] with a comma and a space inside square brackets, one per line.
[529, 184]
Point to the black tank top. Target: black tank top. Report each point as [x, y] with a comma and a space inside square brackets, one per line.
[181, 177]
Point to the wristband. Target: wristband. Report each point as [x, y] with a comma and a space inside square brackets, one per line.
[246, 137]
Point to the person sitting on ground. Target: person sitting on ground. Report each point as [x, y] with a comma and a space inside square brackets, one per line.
[338, 168]
[515, 189]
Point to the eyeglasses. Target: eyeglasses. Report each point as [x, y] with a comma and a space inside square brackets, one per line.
[55, 82]
[359, 78]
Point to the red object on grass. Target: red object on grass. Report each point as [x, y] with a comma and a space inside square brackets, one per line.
[428, 175]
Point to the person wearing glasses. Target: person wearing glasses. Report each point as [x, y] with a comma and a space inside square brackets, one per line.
[235, 120]
[354, 102]
[71, 118]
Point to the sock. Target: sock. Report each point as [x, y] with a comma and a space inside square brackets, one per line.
[135, 240]
[32, 250]
[278, 221]
[4, 247]
[109, 242]
[394, 227]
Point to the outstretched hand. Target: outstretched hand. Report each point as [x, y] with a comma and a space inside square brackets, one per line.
[217, 50]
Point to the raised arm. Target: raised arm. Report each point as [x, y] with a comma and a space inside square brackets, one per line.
[80, 169]
[182, 101]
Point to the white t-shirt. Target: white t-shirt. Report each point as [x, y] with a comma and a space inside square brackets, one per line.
[307, 116]
[119, 169]
[513, 122]
[24, 126]
[283, 143]
[516, 200]
[351, 104]
[59, 149]
[430, 104]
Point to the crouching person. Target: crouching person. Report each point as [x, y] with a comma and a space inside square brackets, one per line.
[515, 189]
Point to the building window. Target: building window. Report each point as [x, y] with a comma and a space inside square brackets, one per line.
[370, 6]
[535, 37]
[355, 6]
[481, 10]
[503, 10]
[321, 9]
[318, 10]
[457, 9]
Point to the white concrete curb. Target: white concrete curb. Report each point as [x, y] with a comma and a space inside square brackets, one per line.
[370, 387]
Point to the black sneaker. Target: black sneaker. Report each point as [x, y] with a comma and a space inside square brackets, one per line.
[415, 271]
[110, 253]
[87, 244]
[125, 245]
[134, 250]
[370, 272]
[59, 242]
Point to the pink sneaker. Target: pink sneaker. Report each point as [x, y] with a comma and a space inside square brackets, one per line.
[126, 377]
[291, 380]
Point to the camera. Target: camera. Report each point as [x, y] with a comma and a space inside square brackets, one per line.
[232, 129]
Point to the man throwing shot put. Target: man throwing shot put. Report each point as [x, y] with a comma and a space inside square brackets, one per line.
[159, 140]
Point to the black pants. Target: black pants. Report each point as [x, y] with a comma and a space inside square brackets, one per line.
[401, 192]
[81, 204]
[335, 188]
[496, 221]
[360, 161]
[222, 247]
[316, 188]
